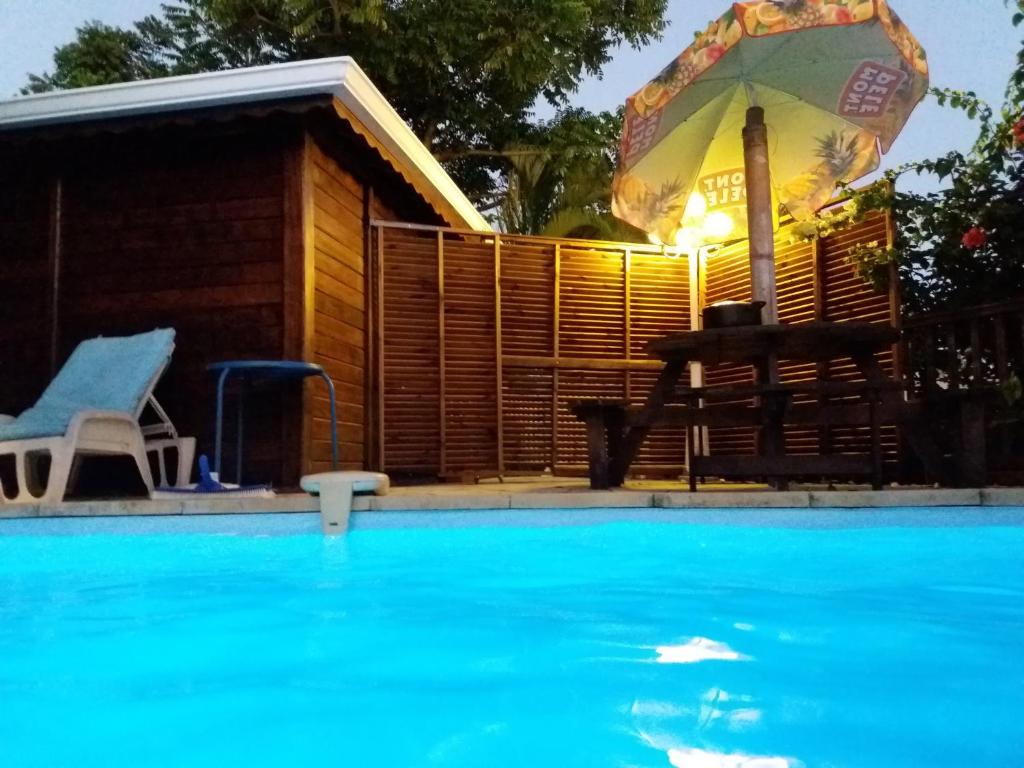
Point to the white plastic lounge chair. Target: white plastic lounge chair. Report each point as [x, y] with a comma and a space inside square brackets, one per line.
[94, 406]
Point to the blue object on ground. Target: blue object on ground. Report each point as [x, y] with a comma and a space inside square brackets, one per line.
[264, 369]
[209, 484]
[206, 482]
[102, 374]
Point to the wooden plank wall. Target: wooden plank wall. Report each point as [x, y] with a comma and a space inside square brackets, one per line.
[25, 278]
[568, 319]
[815, 282]
[339, 317]
[190, 237]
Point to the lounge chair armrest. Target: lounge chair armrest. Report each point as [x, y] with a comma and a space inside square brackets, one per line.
[106, 432]
[6, 419]
[112, 416]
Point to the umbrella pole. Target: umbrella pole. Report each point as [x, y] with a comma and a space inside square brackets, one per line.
[759, 215]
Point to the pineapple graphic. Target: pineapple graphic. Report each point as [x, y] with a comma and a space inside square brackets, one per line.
[802, 14]
[677, 75]
[839, 152]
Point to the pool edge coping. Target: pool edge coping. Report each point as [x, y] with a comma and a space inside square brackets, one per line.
[497, 501]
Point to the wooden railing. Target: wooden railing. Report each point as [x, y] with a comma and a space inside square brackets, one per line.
[970, 358]
[978, 347]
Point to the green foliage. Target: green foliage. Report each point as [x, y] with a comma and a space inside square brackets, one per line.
[99, 55]
[559, 183]
[464, 74]
[983, 188]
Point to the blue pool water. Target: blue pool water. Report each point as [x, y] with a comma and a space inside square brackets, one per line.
[257, 642]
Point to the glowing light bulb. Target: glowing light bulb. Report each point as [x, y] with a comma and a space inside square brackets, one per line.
[688, 238]
[718, 225]
[696, 207]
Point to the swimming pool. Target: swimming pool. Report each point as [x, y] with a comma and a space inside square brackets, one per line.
[622, 640]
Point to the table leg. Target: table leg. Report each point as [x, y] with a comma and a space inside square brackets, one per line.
[220, 420]
[597, 450]
[772, 437]
[971, 463]
[648, 416]
[615, 428]
[692, 431]
[876, 441]
[334, 420]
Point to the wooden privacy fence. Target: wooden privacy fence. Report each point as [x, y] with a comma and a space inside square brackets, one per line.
[482, 341]
[567, 319]
[973, 348]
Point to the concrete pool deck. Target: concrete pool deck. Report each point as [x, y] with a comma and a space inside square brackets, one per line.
[542, 493]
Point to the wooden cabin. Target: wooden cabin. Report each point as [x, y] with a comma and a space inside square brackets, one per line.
[234, 207]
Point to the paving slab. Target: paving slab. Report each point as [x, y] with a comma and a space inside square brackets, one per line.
[734, 499]
[16, 511]
[931, 497]
[544, 493]
[576, 499]
[113, 508]
[298, 502]
[410, 501]
[1002, 497]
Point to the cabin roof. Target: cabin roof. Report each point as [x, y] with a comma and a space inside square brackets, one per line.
[339, 77]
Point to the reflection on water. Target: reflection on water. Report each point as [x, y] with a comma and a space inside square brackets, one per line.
[718, 711]
[684, 756]
[699, 758]
[698, 649]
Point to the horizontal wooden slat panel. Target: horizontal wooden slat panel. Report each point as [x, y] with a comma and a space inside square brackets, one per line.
[565, 304]
[470, 368]
[411, 333]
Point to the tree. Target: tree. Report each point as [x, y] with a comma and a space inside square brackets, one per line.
[559, 179]
[963, 245]
[465, 74]
[100, 54]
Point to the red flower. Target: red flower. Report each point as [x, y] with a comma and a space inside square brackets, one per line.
[974, 238]
[1018, 133]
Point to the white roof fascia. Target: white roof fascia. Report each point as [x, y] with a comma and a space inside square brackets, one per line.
[340, 77]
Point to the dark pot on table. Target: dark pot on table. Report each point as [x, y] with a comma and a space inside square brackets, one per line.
[730, 314]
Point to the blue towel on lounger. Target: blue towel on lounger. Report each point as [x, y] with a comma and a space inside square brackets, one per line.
[104, 374]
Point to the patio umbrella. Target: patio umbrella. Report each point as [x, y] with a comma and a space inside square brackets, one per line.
[773, 104]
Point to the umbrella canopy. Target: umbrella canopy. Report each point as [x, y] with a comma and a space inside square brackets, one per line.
[837, 80]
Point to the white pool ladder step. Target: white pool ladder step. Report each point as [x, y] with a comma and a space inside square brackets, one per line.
[336, 489]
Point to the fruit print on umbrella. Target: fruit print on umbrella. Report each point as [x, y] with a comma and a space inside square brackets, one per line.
[837, 80]
[770, 17]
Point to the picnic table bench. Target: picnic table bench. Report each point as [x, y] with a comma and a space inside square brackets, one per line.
[616, 430]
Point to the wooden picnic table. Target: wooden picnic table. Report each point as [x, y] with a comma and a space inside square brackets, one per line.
[758, 344]
[616, 432]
